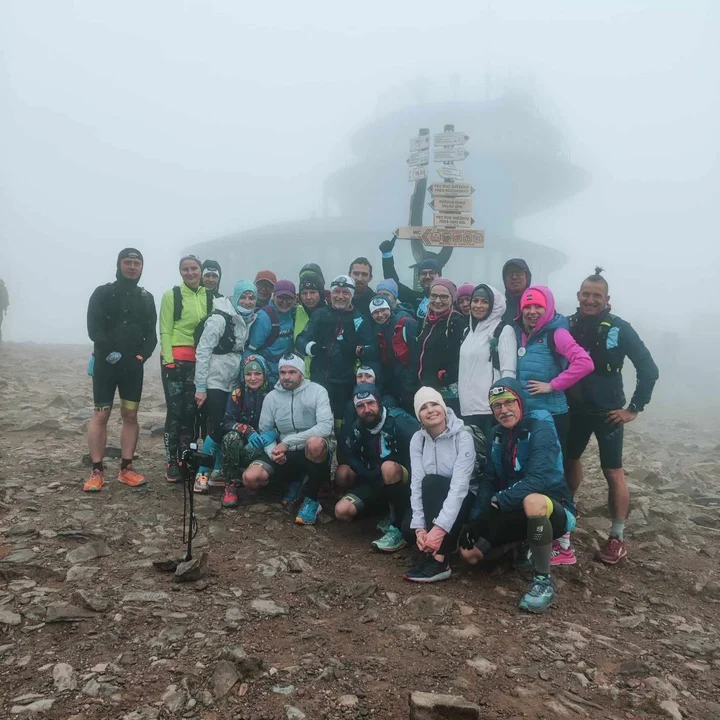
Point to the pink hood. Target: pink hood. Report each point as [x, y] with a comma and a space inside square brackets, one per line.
[549, 313]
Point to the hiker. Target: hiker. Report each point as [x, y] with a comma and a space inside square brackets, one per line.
[265, 282]
[389, 290]
[516, 277]
[360, 271]
[312, 296]
[217, 367]
[121, 321]
[211, 277]
[597, 402]
[462, 300]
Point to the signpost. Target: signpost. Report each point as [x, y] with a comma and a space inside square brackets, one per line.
[451, 189]
[453, 237]
[418, 173]
[421, 157]
[450, 172]
[421, 142]
[451, 154]
[447, 204]
[444, 139]
[453, 220]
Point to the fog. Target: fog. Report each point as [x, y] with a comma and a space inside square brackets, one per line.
[163, 124]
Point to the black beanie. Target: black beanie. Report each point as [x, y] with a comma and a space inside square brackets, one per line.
[311, 281]
[312, 268]
[127, 253]
[214, 266]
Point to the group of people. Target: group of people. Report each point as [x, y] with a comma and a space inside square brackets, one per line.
[456, 414]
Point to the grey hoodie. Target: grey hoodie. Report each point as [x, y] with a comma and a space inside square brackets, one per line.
[297, 414]
[451, 455]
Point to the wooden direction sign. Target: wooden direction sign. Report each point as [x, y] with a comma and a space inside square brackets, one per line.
[451, 189]
[421, 142]
[451, 154]
[418, 173]
[408, 232]
[449, 138]
[443, 204]
[453, 220]
[452, 237]
[450, 172]
[419, 158]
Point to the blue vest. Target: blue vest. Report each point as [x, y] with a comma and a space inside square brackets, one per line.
[536, 361]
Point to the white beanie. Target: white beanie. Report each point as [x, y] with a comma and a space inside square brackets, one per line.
[427, 394]
[292, 360]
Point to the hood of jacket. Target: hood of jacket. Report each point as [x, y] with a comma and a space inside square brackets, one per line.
[496, 312]
[549, 315]
[224, 304]
[454, 426]
[522, 265]
[515, 386]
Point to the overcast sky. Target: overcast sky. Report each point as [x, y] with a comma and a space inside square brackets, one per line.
[161, 122]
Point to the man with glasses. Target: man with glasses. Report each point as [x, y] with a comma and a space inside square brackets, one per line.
[516, 279]
[335, 338]
[522, 494]
[428, 270]
[299, 412]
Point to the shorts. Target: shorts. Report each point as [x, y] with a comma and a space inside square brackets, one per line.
[609, 438]
[369, 494]
[294, 468]
[498, 528]
[562, 423]
[126, 376]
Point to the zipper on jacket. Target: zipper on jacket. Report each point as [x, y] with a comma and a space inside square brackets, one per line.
[292, 410]
[338, 323]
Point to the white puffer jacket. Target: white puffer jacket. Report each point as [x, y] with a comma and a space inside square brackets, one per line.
[477, 374]
[220, 372]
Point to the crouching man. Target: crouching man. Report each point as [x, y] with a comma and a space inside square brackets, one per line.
[523, 495]
[299, 410]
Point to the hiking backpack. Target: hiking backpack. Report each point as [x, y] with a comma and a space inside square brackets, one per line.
[226, 344]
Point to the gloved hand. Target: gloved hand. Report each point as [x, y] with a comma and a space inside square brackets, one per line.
[113, 357]
[386, 246]
[255, 441]
[269, 436]
[434, 538]
[91, 366]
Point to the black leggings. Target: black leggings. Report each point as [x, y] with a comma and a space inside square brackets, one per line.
[435, 489]
[215, 403]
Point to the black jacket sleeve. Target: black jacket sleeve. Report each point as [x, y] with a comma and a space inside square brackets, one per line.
[151, 340]
[96, 323]
[405, 294]
[645, 368]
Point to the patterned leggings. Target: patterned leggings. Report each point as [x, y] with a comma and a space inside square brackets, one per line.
[179, 386]
[237, 456]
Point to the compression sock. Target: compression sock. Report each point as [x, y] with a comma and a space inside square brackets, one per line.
[398, 495]
[539, 537]
[125, 464]
[218, 457]
[618, 529]
[318, 474]
[564, 541]
[98, 466]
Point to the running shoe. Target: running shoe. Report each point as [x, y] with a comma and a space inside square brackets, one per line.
[172, 472]
[95, 482]
[391, 541]
[216, 479]
[561, 556]
[613, 552]
[384, 525]
[230, 498]
[201, 484]
[292, 494]
[308, 513]
[540, 596]
[428, 571]
[129, 477]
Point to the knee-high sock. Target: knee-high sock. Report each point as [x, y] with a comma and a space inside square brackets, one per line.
[398, 495]
[209, 447]
[539, 537]
[318, 473]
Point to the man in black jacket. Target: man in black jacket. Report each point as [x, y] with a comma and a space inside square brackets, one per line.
[361, 272]
[377, 464]
[121, 323]
[211, 277]
[597, 402]
[428, 270]
[516, 277]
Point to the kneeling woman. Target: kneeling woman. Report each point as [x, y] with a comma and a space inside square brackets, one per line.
[442, 464]
[522, 494]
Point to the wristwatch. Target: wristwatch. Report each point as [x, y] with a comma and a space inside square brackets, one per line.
[633, 408]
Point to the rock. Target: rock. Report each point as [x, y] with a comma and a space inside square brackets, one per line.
[293, 713]
[661, 688]
[38, 706]
[482, 666]
[706, 520]
[174, 699]
[248, 666]
[82, 598]
[146, 596]
[671, 709]
[298, 565]
[468, 632]
[631, 621]
[427, 605]
[268, 607]
[144, 713]
[88, 551]
[283, 689]
[234, 616]
[81, 572]
[19, 556]
[91, 688]
[635, 668]
[224, 677]
[693, 645]
[428, 706]
[348, 701]
[192, 570]
[64, 677]
[7, 617]
[22, 528]
[65, 612]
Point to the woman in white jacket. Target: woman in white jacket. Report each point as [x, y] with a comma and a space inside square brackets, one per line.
[486, 355]
[217, 366]
[442, 464]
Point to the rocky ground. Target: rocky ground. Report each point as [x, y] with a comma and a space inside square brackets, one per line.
[293, 622]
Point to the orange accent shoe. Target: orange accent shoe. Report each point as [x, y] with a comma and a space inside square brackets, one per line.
[95, 482]
[129, 477]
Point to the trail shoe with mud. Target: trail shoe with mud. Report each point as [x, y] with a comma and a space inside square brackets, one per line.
[217, 479]
[613, 551]
[540, 596]
[429, 571]
[172, 472]
[230, 498]
[308, 513]
[95, 482]
[201, 484]
[391, 541]
[128, 476]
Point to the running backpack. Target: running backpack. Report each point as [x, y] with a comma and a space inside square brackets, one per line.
[400, 345]
[226, 344]
[178, 303]
[494, 342]
[479, 441]
[274, 333]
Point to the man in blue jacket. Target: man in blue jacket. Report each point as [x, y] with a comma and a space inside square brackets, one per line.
[597, 402]
[522, 495]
